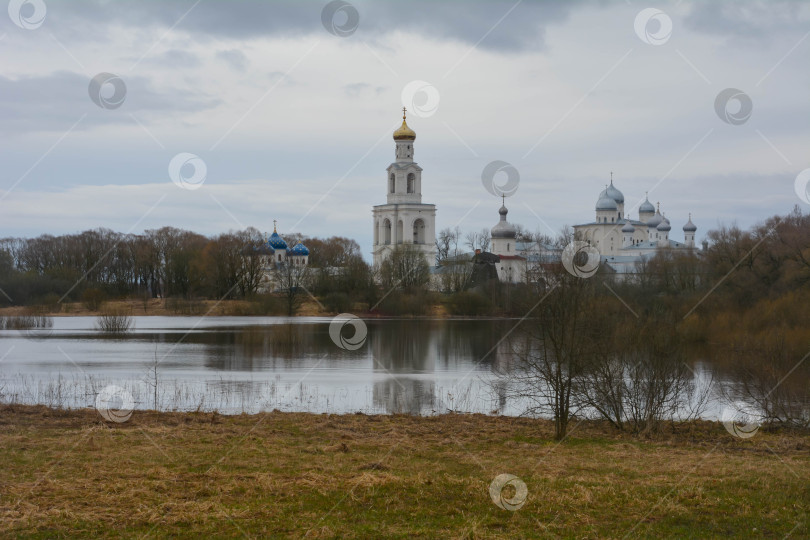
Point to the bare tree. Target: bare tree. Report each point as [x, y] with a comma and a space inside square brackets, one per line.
[642, 378]
[483, 239]
[557, 346]
[292, 281]
[405, 268]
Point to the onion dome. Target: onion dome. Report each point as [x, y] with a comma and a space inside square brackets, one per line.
[656, 220]
[628, 228]
[276, 241]
[689, 227]
[263, 249]
[404, 133]
[503, 229]
[299, 249]
[606, 202]
[614, 193]
[664, 226]
[646, 207]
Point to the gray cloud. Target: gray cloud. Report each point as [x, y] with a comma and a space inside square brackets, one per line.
[752, 21]
[362, 89]
[54, 102]
[234, 58]
[175, 58]
[467, 22]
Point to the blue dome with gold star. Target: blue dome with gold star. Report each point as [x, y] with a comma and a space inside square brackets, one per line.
[276, 241]
[299, 249]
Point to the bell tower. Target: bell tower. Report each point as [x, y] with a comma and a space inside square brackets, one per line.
[404, 219]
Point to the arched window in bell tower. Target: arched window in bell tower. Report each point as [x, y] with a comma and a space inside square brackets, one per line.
[391, 183]
[387, 231]
[418, 232]
[411, 182]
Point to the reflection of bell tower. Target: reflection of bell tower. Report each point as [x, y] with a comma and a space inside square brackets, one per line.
[404, 219]
[401, 350]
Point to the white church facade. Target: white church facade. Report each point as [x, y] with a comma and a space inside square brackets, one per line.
[513, 263]
[623, 241]
[404, 219]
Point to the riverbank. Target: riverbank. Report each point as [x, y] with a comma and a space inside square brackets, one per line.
[155, 307]
[69, 473]
[159, 307]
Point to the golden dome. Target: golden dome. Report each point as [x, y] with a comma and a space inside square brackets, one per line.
[404, 133]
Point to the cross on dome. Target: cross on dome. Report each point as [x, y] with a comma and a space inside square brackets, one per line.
[404, 133]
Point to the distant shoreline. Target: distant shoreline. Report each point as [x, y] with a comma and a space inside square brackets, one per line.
[161, 307]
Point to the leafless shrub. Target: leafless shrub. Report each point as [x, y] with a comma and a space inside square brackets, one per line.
[25, 322]
[642, 386]
[114, 323]
[772, 374]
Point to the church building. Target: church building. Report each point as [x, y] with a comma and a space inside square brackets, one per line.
[276, 254]
[404, 219]
[621, 240]
[512, 264]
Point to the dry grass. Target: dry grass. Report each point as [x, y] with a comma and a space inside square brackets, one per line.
[325, 476]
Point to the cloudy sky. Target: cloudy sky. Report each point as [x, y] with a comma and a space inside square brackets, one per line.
[290, 109]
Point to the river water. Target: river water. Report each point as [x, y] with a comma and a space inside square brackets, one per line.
[250, 364]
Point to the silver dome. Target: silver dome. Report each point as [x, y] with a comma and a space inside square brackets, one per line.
[655, 221]
[503, 229]
[614, 193]
[606, 202]
[689, 227]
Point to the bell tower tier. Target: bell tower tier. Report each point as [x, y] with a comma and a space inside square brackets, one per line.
[404, 219]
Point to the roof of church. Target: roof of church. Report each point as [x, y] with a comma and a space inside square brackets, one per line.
[526, 246]
[606, 202]
[404, 133]
[614, 193]
[689, 227]
[620, 221]
[503, 229]
[276, 241]
[263, 249]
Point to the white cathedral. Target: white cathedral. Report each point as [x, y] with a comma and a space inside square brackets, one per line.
[404, 219]
[620, 240]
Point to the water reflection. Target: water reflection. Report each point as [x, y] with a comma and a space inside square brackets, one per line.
[251, 364]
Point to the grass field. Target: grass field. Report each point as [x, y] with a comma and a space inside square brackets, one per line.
[70, 474]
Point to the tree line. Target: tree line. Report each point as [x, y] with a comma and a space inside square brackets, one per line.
[160, 263]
